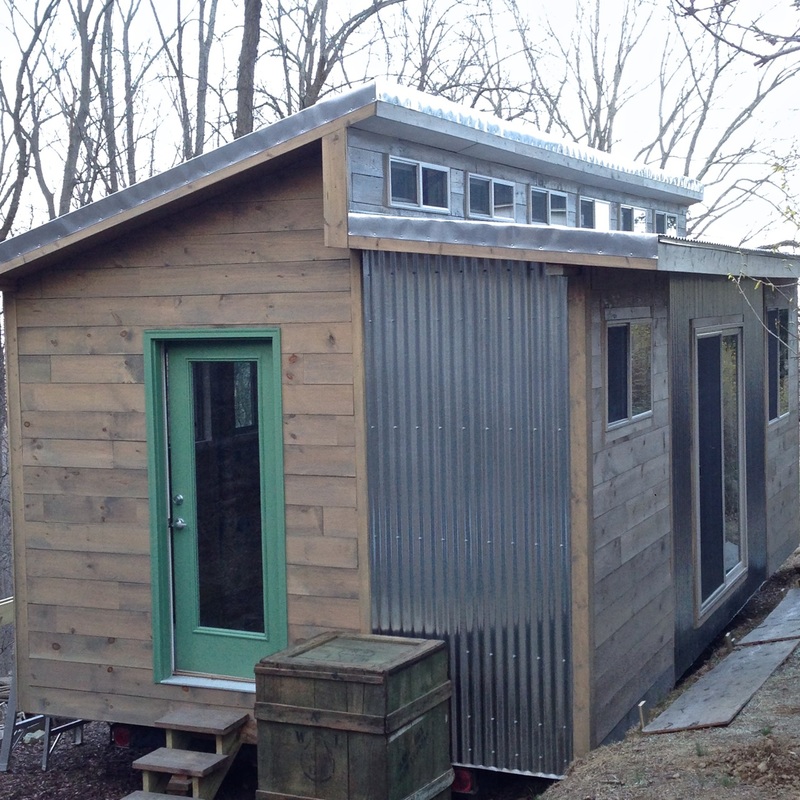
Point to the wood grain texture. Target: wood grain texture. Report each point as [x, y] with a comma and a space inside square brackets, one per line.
[630, 473]
[720, 694]
[582, 567]
[251, 257]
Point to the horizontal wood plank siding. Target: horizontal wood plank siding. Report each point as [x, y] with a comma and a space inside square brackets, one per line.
[252, 257]
[633, 600]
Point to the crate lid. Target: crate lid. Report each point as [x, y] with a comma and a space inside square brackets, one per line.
[362, 655]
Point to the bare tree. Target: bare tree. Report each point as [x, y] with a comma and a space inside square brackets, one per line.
[19, 108]
[307, 42]
[248, 56]
[770, 39]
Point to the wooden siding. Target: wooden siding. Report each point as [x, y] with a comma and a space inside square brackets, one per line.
[254, 256]
[782, 468]
[633, 606]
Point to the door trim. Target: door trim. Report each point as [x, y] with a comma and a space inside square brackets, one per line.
[154, 345]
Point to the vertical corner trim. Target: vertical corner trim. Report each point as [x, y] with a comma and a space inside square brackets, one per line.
[335, 181]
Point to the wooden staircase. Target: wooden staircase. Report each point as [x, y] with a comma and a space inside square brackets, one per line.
[177, 765]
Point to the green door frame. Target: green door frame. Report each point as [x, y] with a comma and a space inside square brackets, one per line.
[270, 412]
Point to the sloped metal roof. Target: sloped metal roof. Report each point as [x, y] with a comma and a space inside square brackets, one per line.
[376, 106]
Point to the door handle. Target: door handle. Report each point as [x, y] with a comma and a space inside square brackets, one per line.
[179, 524]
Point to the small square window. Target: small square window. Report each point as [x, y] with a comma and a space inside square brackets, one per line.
[777, 362]
[558, 208]
[422, 185]
[666, 224]
[595, 214]
[548, 207]
[404, 183]
[503, 200]
[587, 213]
[633, 219]
[435, 187]
[480, 196]
[539, 206]
[628, 370]
[490, 198]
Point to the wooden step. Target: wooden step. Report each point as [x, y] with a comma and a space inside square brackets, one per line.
[181, 762]
[196, 719]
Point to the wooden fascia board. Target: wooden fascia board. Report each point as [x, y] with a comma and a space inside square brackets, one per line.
[84, 235]
[335, 194]
[491, 251]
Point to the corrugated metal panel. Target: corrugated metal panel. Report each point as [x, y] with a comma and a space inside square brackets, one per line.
[468, 460]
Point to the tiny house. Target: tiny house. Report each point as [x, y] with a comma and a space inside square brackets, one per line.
[393, 366]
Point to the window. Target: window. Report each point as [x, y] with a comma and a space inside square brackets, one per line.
[718, 462]
[628, 370]
[666, 224]
[548, 208]
[777, 362]
[490, 198]
[412, 183]
[632, 219]
[595, 214]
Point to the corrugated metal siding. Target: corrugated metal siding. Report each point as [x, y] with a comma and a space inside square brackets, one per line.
[468, 461]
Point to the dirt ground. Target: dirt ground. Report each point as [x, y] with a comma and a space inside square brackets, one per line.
[757, 757]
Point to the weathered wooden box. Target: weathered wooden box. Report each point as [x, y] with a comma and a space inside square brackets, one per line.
[349, 717]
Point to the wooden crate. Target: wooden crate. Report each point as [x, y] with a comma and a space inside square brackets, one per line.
[349, 717]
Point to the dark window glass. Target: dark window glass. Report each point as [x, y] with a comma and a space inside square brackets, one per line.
[228, 491]
[503, 200]
[587, 213]
[538, 206]
[666, 224]
[479, 196]
[558, 209]
[629, 370]
[617, 372]
[434, 188]
[626, 218]
[404, 182]
[777, 362]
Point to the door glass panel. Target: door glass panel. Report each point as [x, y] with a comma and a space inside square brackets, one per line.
[722, 544]
[228, 495]
[730, 434]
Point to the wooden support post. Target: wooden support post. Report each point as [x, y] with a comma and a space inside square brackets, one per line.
[581, 514]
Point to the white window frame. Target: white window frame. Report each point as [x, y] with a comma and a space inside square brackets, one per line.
[420, 166]
[492, 182]
[549, 195]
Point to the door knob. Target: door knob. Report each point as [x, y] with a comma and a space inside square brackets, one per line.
[179, 524]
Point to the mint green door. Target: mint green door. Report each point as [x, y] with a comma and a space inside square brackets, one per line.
[226, 506]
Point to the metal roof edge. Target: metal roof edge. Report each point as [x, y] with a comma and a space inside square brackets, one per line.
[504, 239]
[181, 180]
[708, 258]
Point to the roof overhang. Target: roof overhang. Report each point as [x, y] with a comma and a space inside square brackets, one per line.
[514, 241]
[691, 256]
